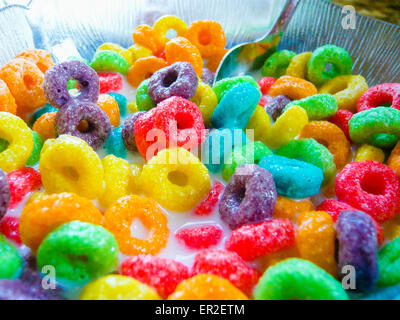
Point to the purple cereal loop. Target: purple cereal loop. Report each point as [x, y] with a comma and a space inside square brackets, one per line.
[70, 117]
[57, 77]
[4, 194]
[179, 79]
[208, 77]
[249, 197]
[356, 233]
[276, 106]
[128, 132]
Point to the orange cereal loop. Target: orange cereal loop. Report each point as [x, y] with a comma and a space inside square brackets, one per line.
[214, 61]
[39, 57]
[207, 287]
[120, 216]
[145, 36]
[110, 106]
[180, 49]
[294, 88]
[330, 190]
[332, 137]
[282, 255]
[24, 79]
[315, 239]
[394, 160]
[45, 126]
[47, 212]
[143, 69]
[208, 36]
[7, 101]
[289, 209]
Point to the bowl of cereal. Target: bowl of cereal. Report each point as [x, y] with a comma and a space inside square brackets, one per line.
[128, 171]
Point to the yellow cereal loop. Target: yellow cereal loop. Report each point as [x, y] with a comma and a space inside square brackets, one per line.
[116, 287]
[35, 196]
[20, 142]
[260, 122]
[139, 52]
[128, 56]
[298, 66]
[347, 90]
[176, 179]
[392, 229]
[288, 126]
[277, 257]
[69, 164]
[132, 107]
[315, 239]
[111, 46]
[206, 99]
[167, 23]
[117, 174]
[369, 153]
[134, 180]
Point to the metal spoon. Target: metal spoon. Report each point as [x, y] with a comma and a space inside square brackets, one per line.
[249, 57]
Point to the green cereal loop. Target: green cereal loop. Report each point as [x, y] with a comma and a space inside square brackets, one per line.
[143, 100]
[389, 264]
[369, 126]
[339, 58]
[277, 64]
[223, 86]
[80, 252]
[309, 150]
[11, 261]
[109, 61]
[37, 148]
[318, 107]
[250, 153]
[78, 58]
[298, 279]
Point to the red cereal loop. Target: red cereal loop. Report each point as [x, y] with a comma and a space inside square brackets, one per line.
[258, 240]
[200, 237]
[265, 84]
[334, 209]
[9, 227]
[178, 119]
[380, 95]
[110, 82]
[341, 119]
[22, 182]
[208, 205]
[162, 274]
[370, 187]
[228, 265]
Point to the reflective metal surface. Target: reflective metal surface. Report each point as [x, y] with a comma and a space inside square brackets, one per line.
[64, 27]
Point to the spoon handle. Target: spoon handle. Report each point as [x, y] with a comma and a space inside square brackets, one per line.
[285, 17]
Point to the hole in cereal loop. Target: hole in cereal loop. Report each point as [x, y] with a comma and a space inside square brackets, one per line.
[170, 78]
[373, 183]
[178, 178]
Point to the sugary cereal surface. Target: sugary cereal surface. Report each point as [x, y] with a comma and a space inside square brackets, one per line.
[136, 176]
